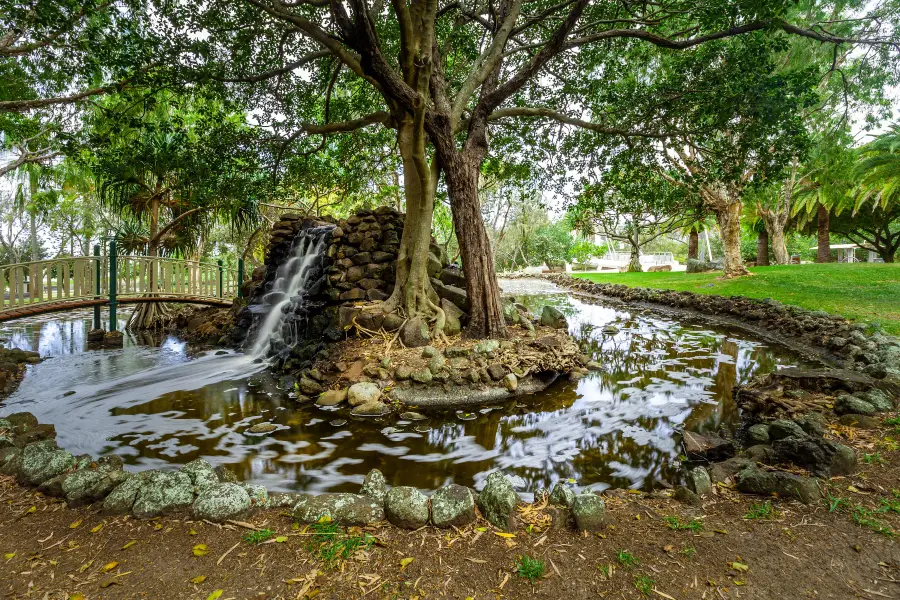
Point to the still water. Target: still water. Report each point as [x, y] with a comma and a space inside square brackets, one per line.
[157, 405]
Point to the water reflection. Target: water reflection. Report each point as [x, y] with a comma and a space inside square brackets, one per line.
[157, 406]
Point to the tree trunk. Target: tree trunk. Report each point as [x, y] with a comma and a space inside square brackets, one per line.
[413, 293]
[151, 315]
[634, 264]
[762, 249]
[485, 314]
[824, 236]
[694, 244]
[729, 220]
[779, 247]
[33, 239]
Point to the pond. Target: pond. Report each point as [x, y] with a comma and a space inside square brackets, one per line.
[157, 405]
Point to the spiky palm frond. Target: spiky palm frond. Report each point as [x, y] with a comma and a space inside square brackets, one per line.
[878, 171]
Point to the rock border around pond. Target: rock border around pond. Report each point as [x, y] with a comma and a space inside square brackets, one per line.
[29, 453]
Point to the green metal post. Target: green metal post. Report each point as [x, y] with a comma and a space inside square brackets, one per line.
[240, 277]
[221, 277]
[112, 285]
[97, 273]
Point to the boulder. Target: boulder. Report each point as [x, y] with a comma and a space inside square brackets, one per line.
[709, 447]
[698, 481]
[332, 397]
[454, 317]
[422, 375]
[93, 485]
[202, 474]
[553, 317]
[406, 507]
[783, 428]
[813, 423]
[821, 457]
[720, 472]
[453, 506]
[259, 495]
[21, 421]
[346, 509]
[415, 333]
[879, 399]
[42, 461]
[221, 502]
[453, 276]
[758, 434]
[456, 295]
[686, 496]
[860, 421]
[363, 393]
[433, 265]
[510, 382]
[310, 386]
[562, 495]
[498, 502]
[226, 475]
[161, 492]
[701, 266]
[375, 485]
[760, 453]
[589, 512]
[496, 371]
[753, 480]
[851, 405]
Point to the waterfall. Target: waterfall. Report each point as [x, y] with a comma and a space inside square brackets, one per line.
[292, 281]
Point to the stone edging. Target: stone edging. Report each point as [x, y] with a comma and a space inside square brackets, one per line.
[849, 345]
[29, 452]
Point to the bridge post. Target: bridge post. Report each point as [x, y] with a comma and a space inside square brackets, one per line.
[221, 277]
[240, 281]
[97, 285]
[113, 275]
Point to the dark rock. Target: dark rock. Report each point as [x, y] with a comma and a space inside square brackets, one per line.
[354, 294]
[851, 405]
[433, 265]
[754, 480]
[879, 399]
[686, 496]
[496, 371]
[698, 481]
[817, 455]
[783, 428]
[22, 421]
[562, 495]
[415, 333]
[226, 475]
[758, 434]
[709, 447]
[553, 317]
[38, 433]
[720, 472]
[453, 506]
[406, 507]
[452, 293]
[760, 453]
[453, 276]
[392, 322]
[813, 423]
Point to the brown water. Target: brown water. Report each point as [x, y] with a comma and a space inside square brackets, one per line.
[157, 406]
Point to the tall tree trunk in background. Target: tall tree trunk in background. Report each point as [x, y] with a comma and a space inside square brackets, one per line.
[694, 244]
[32, 237]
[151, 315]
[824, 236]
[762, 249]
[634, 264]
[729, 220]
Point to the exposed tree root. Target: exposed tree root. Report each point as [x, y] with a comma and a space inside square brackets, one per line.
[150, 316]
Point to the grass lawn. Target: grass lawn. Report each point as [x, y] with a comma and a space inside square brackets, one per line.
[861, 292]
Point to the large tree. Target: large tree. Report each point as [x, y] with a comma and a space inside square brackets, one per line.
[441, 75]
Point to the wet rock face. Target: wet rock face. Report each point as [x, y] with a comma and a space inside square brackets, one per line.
[453, 506]
[347, 509]
[498, 502]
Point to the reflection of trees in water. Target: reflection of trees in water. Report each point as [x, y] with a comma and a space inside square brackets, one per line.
[611, 428]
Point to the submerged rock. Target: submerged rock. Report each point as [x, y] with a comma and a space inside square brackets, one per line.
[262, 428]
[332, 397]
[221, 502]
[413, 416]
[498, 502]
[553, 317]
[370, 409]
[347, 509]
[453, 506]
[406, 507]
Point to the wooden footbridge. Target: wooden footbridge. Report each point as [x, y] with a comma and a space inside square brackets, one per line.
[93, 281]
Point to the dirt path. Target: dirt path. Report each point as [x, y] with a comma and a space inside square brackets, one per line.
[52, 552]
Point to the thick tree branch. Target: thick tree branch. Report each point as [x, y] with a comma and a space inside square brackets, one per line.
[547, 113]
[276, 72]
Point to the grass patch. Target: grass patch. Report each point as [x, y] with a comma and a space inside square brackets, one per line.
[643, 584]
[835, 503]
[529, 568]
[865, 517]
[695, 525]
[688, 551]
[331, 545]
[626, 558]
[873, 459]
[865, 292]
[259, 536]
[760, 511]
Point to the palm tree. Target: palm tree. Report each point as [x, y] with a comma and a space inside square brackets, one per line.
[878, 171]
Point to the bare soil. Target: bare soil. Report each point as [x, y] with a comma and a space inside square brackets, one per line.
[51, 552]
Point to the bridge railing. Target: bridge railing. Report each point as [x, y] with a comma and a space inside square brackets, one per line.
[71, 279]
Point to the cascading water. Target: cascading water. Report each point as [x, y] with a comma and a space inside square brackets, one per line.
[282, 305]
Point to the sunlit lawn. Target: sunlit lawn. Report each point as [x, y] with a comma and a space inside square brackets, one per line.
[861, 292]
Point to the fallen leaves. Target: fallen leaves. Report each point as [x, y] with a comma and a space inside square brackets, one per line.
[198, 579]
[505, 535]
[739, 567]
[405, 562]
[129, 544]
[215, 595]
[76, 524]
[98, 528]
[200, 550]
[109, 566]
